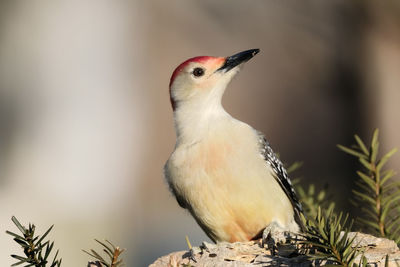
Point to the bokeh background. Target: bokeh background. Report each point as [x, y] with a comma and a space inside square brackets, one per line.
[86, 125]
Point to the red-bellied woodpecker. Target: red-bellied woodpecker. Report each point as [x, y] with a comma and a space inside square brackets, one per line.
[222, 170]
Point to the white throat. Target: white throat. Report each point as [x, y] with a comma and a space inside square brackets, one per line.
[195, 118]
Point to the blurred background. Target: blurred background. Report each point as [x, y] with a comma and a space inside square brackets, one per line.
[86, 124]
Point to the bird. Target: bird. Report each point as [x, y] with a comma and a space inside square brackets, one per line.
[222, 170]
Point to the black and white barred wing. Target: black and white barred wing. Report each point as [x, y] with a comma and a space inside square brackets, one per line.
[281, 176]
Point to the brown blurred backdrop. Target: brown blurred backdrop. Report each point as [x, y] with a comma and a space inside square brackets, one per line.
[85, 121]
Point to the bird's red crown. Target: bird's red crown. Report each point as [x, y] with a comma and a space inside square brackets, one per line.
[178, 69]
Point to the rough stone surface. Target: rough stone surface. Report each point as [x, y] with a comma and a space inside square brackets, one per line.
[253, 254]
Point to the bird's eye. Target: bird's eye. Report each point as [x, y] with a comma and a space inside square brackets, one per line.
[198, 72]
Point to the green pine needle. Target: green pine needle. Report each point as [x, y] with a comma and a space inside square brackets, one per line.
[113, 253]
[36, 251]
[327, 239]
[377, 190]
[311, 199]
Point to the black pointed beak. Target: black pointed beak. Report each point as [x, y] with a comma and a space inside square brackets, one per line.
[237, 59]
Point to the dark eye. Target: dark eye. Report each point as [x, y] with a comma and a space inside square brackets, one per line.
[198, 72]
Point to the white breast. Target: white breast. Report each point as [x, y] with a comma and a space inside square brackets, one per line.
[228, 185]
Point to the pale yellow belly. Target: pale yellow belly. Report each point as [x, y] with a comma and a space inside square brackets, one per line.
[232, 193]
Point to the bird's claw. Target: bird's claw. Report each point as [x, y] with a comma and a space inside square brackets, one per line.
[275, 236]
[192, 254]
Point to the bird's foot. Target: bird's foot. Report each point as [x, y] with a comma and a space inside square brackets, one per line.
[192, 255]
[275, 238]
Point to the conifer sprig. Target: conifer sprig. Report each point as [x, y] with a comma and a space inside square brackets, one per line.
[377, 195]
[112, 252]
[328, 235]
[311, 198]
[36, 250]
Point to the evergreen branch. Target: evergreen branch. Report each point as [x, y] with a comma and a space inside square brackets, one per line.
[36, 252]
[309, 198]
[377, 191]
[112, 252]
[328, 235]
[312, 201]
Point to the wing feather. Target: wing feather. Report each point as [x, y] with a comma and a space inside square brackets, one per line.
[281, 176]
